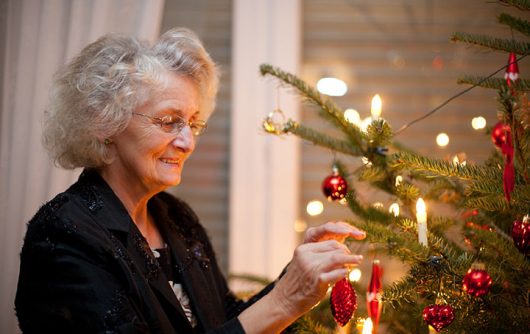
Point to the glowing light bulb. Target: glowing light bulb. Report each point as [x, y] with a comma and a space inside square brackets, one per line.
[355, 275]
[394, 209]
[314, 208]
[442, 139]
[478, 123]
[352, 116]
[377, 105]
[368, 326]
[365, 123]
[421, 218]
[332, 86]
[300, 226]
[398, 181]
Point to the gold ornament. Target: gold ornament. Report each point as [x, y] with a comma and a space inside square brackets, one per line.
[275, 122]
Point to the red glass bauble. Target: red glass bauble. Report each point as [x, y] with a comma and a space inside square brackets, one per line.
[499, 134]
[335, 186]
[343, 301]
[374, 303]
[438, 316]
[477, 281]
[521, 235]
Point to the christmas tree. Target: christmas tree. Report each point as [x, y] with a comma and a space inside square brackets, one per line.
[474, 281]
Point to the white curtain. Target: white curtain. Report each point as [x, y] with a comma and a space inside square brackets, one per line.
[36, 38]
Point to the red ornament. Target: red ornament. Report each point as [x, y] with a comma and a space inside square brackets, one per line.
[512, 71]
[521, 235]
[335, 186]
[500, 133]
[438, 316]
[343, 301]
[374, 303]
[477, 281]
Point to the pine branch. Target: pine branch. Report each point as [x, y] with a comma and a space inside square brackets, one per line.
[322, 139]
[402, 291]
[521, 4]
[507, 45]
[515, 23]
[436, 167]
[493, 83]
[331, 111]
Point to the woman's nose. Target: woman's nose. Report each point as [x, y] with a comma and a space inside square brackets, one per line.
[185, 140]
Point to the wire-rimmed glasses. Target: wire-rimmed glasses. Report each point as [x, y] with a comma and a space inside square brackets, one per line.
[175, 124]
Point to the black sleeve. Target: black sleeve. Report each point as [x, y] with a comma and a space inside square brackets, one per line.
[66, 284]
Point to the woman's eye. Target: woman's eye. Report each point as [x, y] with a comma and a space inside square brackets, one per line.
[167, 121]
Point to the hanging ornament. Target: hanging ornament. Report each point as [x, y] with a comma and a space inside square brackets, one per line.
[477, 281]
[335, 186]
[521, 235]
[512, 71]
[501, 135]
[438, 316]
[374, 303]
[274, 122]
[343, 301]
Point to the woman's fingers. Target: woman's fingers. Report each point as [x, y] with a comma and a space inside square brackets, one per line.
[333, 230]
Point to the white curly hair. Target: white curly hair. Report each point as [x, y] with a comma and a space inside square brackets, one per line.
[93, 97]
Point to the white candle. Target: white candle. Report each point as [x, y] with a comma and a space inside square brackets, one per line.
[376, 107]
[368, 326]
[421, 218]
[394, 209]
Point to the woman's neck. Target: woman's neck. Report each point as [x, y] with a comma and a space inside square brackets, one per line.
[135, 199]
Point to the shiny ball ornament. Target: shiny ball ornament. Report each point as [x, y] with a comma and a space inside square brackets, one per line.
[521, 235]
[499, 134]
[438, 316]
[477, 282]
[335, 186]
[343, 301]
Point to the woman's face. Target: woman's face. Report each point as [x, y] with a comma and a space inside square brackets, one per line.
[147, 157]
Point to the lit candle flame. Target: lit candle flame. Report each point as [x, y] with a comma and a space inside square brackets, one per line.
[394, 209]
[421, 217]
[368, 326]
[377, 105]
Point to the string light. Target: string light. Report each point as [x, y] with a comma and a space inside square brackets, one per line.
[478, 123]
[352, 116]
[394, 209]
[300, 226]
[314, 208]
[442, 139]
[377, 105]
[355, 275]
[332, 86]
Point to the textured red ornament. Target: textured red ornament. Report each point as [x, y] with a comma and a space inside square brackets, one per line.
[343, 301]
[374, 303]
[477, 281]
[438, 316]
[512, 71]
[521, 235]
[335, 186]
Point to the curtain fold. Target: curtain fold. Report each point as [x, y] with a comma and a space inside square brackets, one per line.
[36, 38]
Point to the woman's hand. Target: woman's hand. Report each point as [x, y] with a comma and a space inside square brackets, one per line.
[333, 231]
[318, 263]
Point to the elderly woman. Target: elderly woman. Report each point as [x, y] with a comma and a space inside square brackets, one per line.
[115, 253]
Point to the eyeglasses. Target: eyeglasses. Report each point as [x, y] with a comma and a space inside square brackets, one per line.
[175, 124]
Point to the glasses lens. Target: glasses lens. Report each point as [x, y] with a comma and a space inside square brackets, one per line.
[198, 127]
